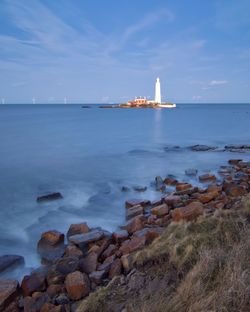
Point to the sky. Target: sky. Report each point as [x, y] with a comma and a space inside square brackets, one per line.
[96, 51]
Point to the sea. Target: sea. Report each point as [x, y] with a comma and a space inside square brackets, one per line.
[90, 154]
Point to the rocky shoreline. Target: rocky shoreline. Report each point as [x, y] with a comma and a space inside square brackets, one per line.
[78, 263]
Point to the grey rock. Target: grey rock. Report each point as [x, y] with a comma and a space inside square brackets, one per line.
[49, 197]
[202, 148]
[10, 261]
[92, 236]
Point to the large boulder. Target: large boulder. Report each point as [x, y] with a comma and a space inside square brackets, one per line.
[8, 292]
[67, 265]
[115, 269]
[235, 190]
[149, 233]
[120, 236]
[32, 283]
[188, 213]
[49, 197]
[135, 243]
[134, 211]
[207, 197]
[51, 246]
[52, 238]
[160, 210]
[183, 186]
[10, 262]
[134, 225]
[80, 228]
[89, 263]
[54, 277]
[207, 178]
[36, 302]
[86, 238]
[73, 251]
[77, 285]
[172, 200]
[109, 251]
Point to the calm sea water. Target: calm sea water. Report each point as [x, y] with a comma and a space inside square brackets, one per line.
[89, 154]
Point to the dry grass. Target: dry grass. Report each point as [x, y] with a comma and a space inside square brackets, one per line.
[211, 259]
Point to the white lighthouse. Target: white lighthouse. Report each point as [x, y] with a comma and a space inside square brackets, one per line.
[158, 91]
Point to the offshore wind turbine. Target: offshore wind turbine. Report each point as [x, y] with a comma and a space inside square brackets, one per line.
[33, 100]
[3, 100]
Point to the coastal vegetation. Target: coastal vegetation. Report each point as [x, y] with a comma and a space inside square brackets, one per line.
[202, 266]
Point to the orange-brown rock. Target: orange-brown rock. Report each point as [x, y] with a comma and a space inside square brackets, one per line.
[66, 265]
[105, 266]
[77, 285]
[134, 211]
[134, 202]
[207, 197]
[234, 161]
[73, 251]
[150, 233]
[109, 251]
[151, 219]
[115, 269]
[89, 263]
[188, 213]
[52, 238]
[235, 190]
[31, 283]
[214, 187]
[170, 181]
[8, 292]
[172, 200]
[183, 186]
[133, 244]
[36, 302]
[120, 236]
[55, 289]
[54, 277]
[134, 225]
[51, 246]
[79, 228]
[161, 210]
[207, 178]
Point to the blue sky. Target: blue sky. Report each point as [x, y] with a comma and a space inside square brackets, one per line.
[110, 51]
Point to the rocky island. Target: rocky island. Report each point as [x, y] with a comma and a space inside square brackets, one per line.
[143, 102]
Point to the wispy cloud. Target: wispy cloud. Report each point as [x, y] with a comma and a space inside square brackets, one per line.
[217, 82]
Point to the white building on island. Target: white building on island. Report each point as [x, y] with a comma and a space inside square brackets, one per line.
[144, 102]
[158, 91]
